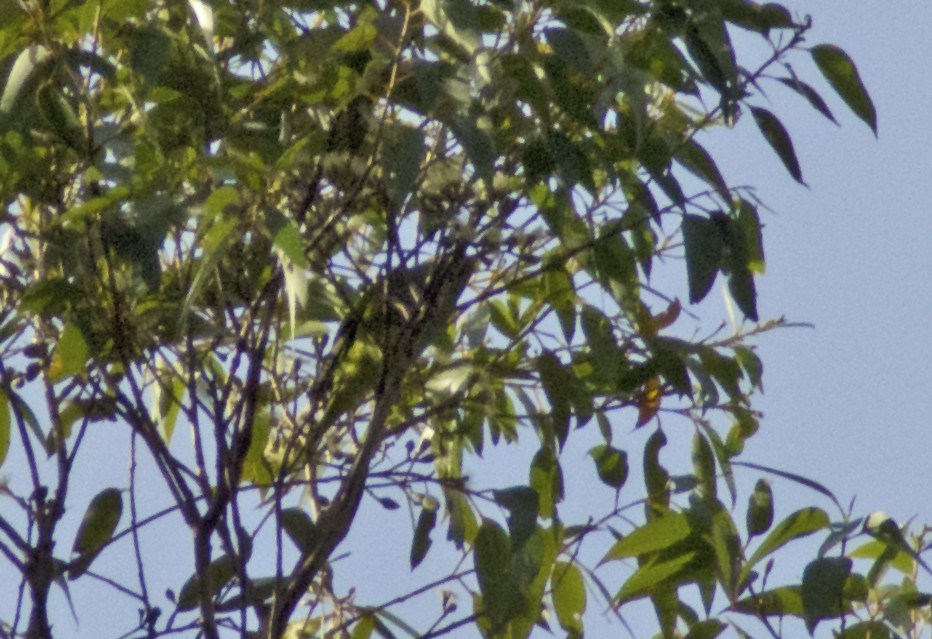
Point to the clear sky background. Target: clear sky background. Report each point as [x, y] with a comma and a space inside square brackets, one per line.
[847, 403]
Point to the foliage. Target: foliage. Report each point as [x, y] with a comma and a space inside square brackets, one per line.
[347, 249]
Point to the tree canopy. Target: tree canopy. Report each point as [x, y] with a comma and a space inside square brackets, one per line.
[283, 263]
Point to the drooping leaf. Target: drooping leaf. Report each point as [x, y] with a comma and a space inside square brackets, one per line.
[779, 140]
[703, 243]
[96, 529]
[760, 509]
[841, 73]
[421, 542]
[493, 560]
[704, 465]
[546, 478]
[823, 589]
[811, 95]
[522, 504]
[694, 157]
[568, 591]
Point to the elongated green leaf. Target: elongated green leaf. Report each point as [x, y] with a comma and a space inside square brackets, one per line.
[522, 504]
[694, 157]
[300, 529]
[286, 237]
[655, 535]
[779, 140]
[217, 574]
[493, 559]
[569, 597]
[5, 424]
[823, 589]
[703, 243]
[421, 542]
[546, 478]
[811, 95]
[708, 629]
[25, 64]
[649, 577]
[799, 524]
[704, 465]
[841, 73]
[553, 377]
[96, 529]
[778, 602]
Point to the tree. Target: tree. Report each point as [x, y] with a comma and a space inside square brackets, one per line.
[350, 247]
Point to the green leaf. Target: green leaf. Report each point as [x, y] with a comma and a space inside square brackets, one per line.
[568, 591]
[364, 627]
[402, 151]
[70, 354]
[867, 630]
[760, 509]
[708, 629]
[5, 424]
[96, 529]
[657, 534]
[300, 529]
[697, 160]
[651, 576]
[779, 140]
[704, 465]
[478, 146]
[421, 542]
[287, 237]
[493, 559]
[167, 393]
[703, 243]
[522, 504]
[546, 478]
[656, 477]
[558, 389]
[463, 525]
[561, 295]
[26, 63]
[823, 589]
[779, 602]
[811, 95]
[801, 523]
[611, 464]
[218, 573]
[841, 73]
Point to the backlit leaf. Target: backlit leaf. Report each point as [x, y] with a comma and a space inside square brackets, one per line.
[96, 529]
[779, 140]
[841, 73]
[569, 597]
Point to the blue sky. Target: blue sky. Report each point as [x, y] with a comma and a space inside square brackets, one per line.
[848, 402]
